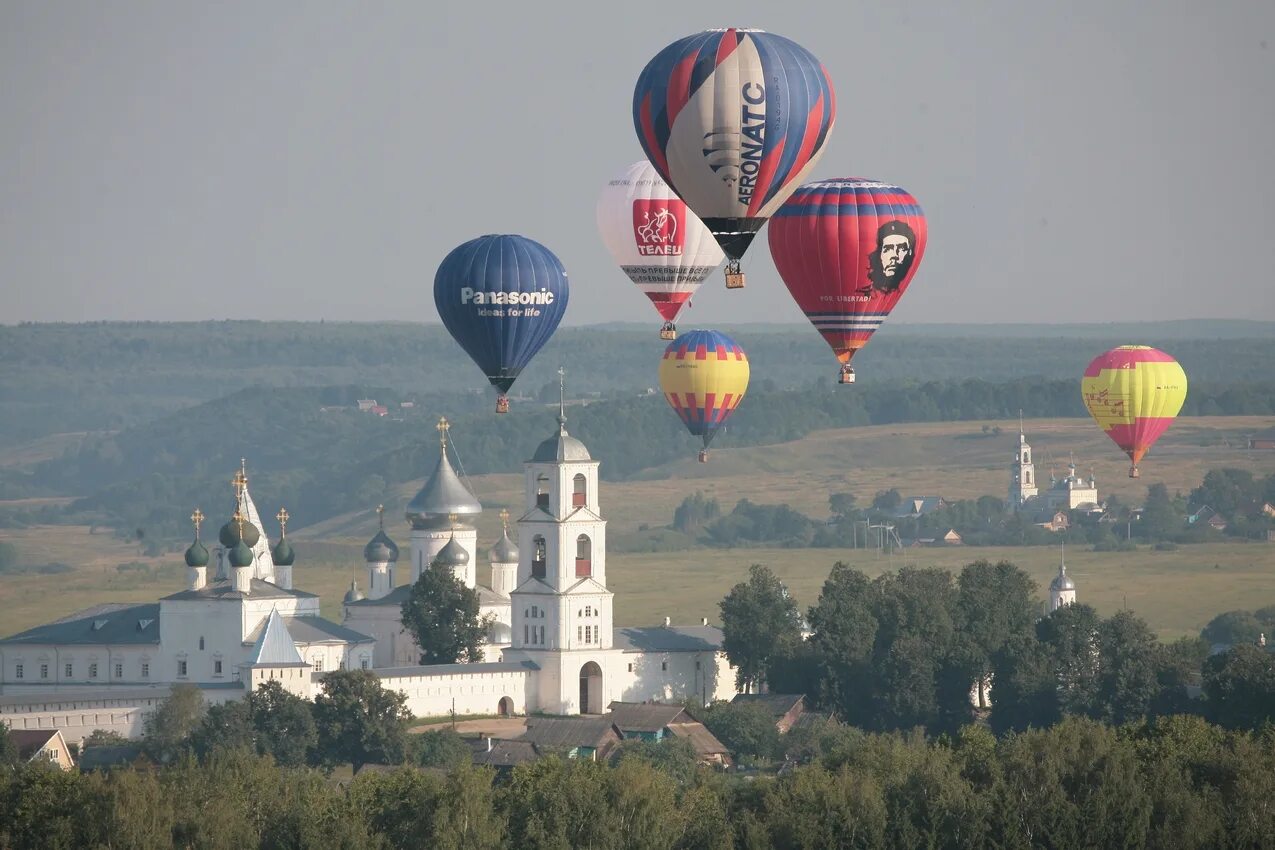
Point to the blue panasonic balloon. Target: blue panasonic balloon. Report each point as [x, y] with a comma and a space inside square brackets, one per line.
[501, 297]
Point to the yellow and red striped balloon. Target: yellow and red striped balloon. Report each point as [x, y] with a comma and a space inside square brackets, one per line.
[704, 375]
[1134, 392]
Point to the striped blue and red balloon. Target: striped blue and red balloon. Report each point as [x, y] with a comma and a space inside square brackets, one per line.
[848, 249]
[733, 120]
[501, 297]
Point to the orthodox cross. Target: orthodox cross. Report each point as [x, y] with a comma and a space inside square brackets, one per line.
[283, 518]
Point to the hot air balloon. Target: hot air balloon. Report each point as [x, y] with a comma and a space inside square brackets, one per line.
[704, 375]
[733, 120]
[1134, 392]
[847, 249]
[659, 243]
[501, 297]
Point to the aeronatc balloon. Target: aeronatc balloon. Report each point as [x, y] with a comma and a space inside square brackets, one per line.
[704, 375]
[659, 243]
[1134, 392]
[733, 120]
[501, 297]
[848, 249]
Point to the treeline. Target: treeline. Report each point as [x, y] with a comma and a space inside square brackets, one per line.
[922, 648]
[1177, 782]
[321, 464]
[61, 378]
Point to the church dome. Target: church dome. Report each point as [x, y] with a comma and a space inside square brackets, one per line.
[282, 554]
[241, 555]
[504, 552]
[380, 549]
[353, 594]
[1062, 581]
[230, 534]
[561, 446]
[453, 554]
[443, 494]
[197, 555]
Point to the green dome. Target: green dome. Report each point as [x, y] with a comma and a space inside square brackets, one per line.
[229, 535]
[283, 555]
[197, 555]
[240, 555]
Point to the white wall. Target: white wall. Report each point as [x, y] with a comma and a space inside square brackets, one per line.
[431, 694]
[77, 713]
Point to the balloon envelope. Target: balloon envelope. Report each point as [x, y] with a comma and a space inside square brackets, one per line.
[1134, 392]
[501, 297]
[847, 249]
[704, 375]
[734, 120]
[659, 243]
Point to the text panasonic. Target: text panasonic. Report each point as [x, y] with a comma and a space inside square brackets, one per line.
[469, 295]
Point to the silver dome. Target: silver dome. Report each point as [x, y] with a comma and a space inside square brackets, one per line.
[561, 446]
[353, 594]
[504, 552]
[443, 494]
[453, 554]
[380, 549]
[1062, 581]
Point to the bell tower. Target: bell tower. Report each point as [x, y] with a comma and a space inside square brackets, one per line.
[1022, 481]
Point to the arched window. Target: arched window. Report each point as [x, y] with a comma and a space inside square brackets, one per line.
[579, 490]
[542, 491]
[1029, 478]
[584, 556]
[538, 557]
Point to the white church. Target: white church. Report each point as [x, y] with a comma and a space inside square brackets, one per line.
[552, 647]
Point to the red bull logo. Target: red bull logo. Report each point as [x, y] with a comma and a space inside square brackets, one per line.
[657, 227]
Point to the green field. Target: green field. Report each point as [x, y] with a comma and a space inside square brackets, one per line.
[1176, 592]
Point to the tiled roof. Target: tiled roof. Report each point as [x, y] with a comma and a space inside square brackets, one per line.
[103, 624]
[668, 638]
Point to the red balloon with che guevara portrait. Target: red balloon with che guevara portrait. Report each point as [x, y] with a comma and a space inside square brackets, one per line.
[848, 249]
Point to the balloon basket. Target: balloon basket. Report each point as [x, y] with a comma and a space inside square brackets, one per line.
[703, 456]
[734, 276]
[668, 331]
[1134, 473]
[846, 376]
[502, 405]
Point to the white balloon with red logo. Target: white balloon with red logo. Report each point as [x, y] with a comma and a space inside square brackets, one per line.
[655, 238]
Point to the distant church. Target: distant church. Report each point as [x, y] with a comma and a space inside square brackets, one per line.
[1064, 494]
[553, 647]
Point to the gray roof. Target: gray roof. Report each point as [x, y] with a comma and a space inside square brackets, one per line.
[274, 648]
[507, 753]
[397, 596]
[1062, 581]
[453, 554]
[567, 732]
[702, 741]
[380, 548]
[313, 629]
[353, 594]
[561, 446]
[444, 493]
[100, 758]
[668, 638]
[487, 596]
[777, 704]
[101, 624]
[504, 552]
[257, 589]
[646, 717]
[453, 669]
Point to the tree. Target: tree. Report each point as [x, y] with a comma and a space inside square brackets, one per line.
[842, 505]
[169, 727]
[1230, 492]
[1127, 656]
[995, 604]
[759, 621]
[442, 614]
[1160, 520]
[8, 749]
[887, 500]
[1024, 687]
[746, 728]
[439, 748]
[695, 512]
[226, 726]
[103, 738]
[843, 631]
[282, 723]
[358, 721]
[1232, 628]
[1239, 687]
[1070, 635]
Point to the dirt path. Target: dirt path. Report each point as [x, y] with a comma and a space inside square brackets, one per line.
[497, 727]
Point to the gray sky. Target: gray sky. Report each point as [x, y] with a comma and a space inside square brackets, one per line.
[1090, 161]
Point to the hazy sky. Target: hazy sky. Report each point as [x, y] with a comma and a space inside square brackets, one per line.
[1077, 161]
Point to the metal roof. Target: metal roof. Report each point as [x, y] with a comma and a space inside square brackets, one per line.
[505, 551]
[257, 589]
[561, 446]
[443, 494]
[102, 624]
[314, 629]
[668, 638]
[275, 647]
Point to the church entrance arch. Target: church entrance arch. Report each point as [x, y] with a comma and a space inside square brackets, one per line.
[505, 708]
[591, 688]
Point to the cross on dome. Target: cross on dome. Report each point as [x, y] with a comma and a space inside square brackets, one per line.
[380, 516]
[283, 518]
[198, 519]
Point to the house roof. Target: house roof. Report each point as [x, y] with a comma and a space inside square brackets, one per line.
[704, 742]
[100, 758]
[777, 704]
[568, 732]
[31, 741]
[668, 639]
[275, 647]
[257, 589]
[102, 624]
[645, 717]
[507, 753]
[314, 629]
